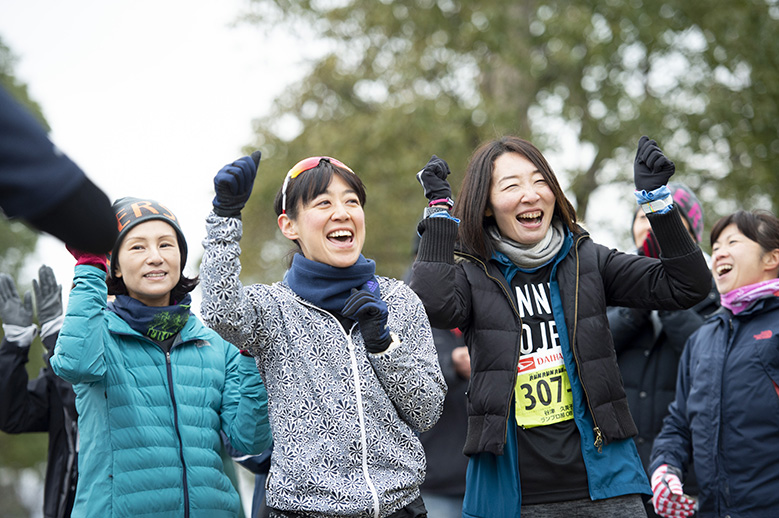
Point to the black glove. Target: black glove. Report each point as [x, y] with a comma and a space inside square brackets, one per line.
[650, 247]
[233, 185]
[48, 295]
[371, 312]
[12, 311]
[433, 179]
[651, 169]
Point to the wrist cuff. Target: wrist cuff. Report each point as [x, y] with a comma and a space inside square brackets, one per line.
[438, 237]
[643, 196]
[449, 202]
[52, 326]
[392, 343]
[226, 213]
[429, 211]
[20, 335]
[659, 206]
[674, 239]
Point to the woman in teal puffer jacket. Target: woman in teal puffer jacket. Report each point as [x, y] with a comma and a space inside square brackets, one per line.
[153, 385]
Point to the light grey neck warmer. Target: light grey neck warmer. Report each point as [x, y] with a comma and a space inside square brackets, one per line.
[530, 256]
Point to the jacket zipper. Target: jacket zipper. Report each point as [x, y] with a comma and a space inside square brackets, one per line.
[169, 369]
[169, 373]
[363, 433]
[360, 409]
[596, 429]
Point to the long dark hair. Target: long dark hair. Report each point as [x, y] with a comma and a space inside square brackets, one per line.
[761, 226]
[474, 194]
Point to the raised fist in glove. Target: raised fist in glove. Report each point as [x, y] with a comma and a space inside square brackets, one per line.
[365, 306]
[667, 496]
[233, 185]
[48, 295]
[433, 179]
[13, 311]
[651, 169]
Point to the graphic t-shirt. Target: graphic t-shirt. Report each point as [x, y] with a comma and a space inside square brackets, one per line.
[550, 459]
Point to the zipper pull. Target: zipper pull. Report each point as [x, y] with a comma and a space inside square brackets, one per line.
[167, 357]
[598, 439]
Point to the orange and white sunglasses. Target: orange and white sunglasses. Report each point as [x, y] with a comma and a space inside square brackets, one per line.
[303, 166]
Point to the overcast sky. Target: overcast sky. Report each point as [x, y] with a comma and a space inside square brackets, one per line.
[150, 98]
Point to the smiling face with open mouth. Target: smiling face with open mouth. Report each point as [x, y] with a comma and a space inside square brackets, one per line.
[521, 200]
[738, 261]
[331, 227]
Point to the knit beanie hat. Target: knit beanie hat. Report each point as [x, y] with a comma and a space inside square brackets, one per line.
[134, 211]
[689, 207]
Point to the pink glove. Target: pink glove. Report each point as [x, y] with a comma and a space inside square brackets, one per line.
[667, 496]
[96, 260]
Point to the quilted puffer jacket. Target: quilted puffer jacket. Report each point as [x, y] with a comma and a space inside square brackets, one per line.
[149, 420]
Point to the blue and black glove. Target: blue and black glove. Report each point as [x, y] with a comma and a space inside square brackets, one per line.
[651, 168]
[433, 179]
[365, 306]
[233, 185]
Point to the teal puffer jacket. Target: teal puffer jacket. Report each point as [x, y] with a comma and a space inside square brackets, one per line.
[150, 420]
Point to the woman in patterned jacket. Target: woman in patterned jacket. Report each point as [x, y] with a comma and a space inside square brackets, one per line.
[347, 356]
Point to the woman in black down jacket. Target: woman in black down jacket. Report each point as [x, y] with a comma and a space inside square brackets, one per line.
[548, 422]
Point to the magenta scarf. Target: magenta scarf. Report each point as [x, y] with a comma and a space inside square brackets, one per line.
[739, 299]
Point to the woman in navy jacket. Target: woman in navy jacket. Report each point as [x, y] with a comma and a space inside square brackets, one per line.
[725, 416]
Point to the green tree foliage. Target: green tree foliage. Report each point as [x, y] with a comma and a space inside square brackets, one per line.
[394, 81]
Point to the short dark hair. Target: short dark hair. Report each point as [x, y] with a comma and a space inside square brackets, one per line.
[761, 226]
[310, 184]
[472, 201]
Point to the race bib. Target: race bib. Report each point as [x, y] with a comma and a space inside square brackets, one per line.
[542, 394]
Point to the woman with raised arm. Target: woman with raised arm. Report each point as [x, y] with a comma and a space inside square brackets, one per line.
[347, 355]
[548, 421]
[725, 417]
[154, 386]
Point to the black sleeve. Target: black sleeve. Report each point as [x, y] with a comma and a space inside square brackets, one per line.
[84, 220]
[24, 405]
[674, 239]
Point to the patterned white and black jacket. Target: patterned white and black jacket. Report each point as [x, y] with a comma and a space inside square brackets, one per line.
[344, 421]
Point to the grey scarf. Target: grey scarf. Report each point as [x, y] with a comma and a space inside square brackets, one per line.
[530, 256]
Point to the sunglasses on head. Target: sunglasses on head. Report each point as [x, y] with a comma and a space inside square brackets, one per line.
[303, 166]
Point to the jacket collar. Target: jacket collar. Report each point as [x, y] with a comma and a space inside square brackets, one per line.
[193, 330]
[759, 306]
